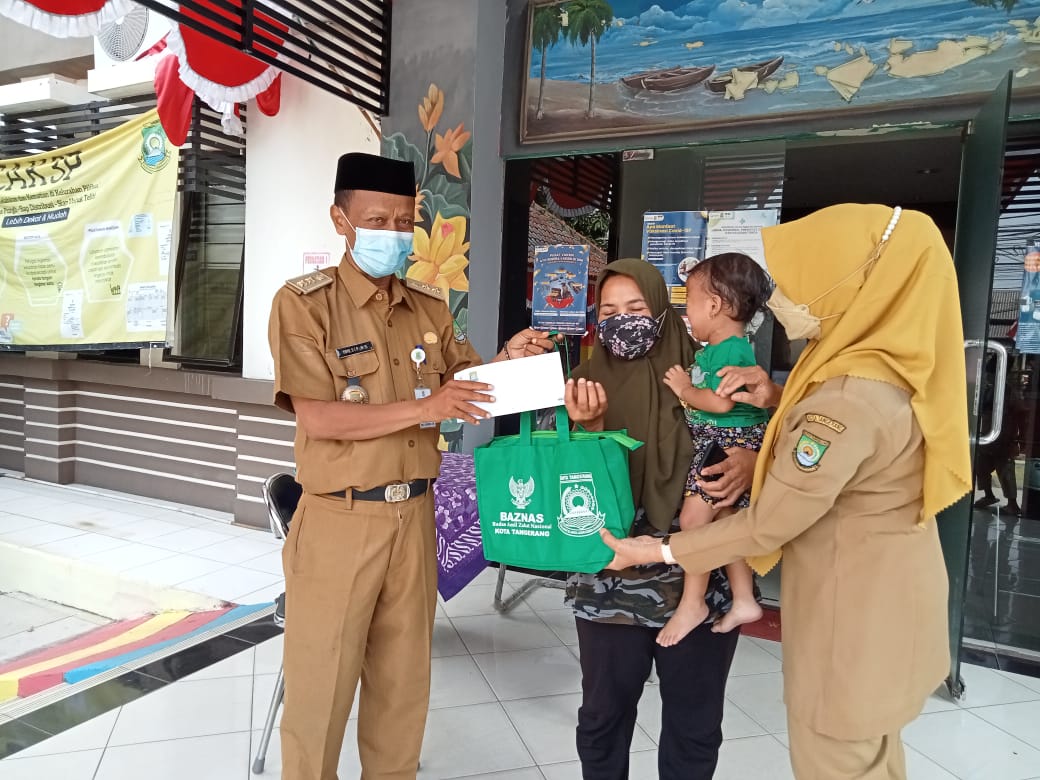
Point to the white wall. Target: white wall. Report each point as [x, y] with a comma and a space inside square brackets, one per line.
[290, 170]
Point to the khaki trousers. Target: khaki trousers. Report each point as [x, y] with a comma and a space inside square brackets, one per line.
[815, 756]
[361, 590]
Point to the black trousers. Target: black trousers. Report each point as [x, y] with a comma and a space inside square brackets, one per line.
[615, 664]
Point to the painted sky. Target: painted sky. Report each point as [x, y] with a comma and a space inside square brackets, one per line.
[718, 16]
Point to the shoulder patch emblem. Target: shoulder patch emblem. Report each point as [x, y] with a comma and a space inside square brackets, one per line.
[826, 422]
[426, 289]
[308, 283]
[809, 452]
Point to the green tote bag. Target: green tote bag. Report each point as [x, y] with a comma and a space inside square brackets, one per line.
[544, 495]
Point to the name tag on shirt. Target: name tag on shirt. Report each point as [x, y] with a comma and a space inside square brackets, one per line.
[421, 393]
[354, 349]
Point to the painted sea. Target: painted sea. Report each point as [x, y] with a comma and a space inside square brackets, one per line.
[963, 48]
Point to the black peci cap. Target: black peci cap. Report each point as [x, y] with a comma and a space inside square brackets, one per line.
[359, 171]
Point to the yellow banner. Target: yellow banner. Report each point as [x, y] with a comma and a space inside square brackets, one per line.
[86, 234]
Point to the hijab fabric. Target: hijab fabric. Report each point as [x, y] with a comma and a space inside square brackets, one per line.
[639, 401]
[900, 323]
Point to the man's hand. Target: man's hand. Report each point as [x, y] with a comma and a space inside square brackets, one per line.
[735, 475]
[749, 385]
[529, 342]
[678, 380]
[586, 403]
[454, 400]
[632, 551]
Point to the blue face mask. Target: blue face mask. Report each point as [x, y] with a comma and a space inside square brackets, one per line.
[380, 253]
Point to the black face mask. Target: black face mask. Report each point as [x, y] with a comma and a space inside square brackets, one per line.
[629, 336]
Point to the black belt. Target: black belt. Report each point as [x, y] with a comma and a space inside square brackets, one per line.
[391, 494]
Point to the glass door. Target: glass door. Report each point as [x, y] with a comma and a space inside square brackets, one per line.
[978, 211]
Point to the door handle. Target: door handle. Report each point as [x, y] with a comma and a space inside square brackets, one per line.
[999, 385]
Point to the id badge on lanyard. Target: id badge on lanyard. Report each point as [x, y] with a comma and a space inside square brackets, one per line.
[421, 390]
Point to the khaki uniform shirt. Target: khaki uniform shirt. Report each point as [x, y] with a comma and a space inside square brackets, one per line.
[864, 586]
[351, 329]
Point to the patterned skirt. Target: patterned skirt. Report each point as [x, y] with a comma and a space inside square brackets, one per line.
[750, 438]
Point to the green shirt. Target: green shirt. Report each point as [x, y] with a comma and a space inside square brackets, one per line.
[734, 351]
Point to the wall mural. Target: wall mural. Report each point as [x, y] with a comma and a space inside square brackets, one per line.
[621, 67]
[443, 163]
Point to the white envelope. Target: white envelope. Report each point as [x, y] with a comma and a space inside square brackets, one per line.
[521, 385]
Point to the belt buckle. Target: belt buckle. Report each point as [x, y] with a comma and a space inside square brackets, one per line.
[398, 492]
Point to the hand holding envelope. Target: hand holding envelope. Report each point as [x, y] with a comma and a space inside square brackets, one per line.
[520, 385]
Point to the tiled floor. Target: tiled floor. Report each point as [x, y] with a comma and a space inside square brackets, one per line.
[504, 704]
[505, 688]
[27, 623]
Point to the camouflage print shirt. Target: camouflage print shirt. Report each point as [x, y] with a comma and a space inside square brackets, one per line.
[642, 595]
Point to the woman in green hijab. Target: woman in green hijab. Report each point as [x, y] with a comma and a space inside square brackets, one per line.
[619, 614]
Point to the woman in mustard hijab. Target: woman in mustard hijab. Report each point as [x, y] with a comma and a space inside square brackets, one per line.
[868, 443]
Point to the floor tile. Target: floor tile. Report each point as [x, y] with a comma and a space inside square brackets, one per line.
[740, 759]
[641, 766]
[1033, 683]
[18, 614]
[38, 535]
[940, 701]
[175, 569]
[88, 704]
[239, 665]
[919, 767]
[268, 657]
[43, 636]
[546, 725]
[81, 546]
[188, 539]
[230, 582]
[270, 562]
[128, 556]
[544, 599]
[201, 758]
[92, 735]
[760, 697]
[446, 640]
[263, 691]
[478, 600]
[971, 748]
[528, 673]
[1019, 720]
[9, 523]
[137, 529]
[504, 633]
[16, 736]
[70, 766]
[751, 658]
[263, 596]
[195, 659]
[187, 709]
[456, 681]
[771, 647]
[561, 621]
[986, 687]
[238, 549]
[531, 773]
[471, 740]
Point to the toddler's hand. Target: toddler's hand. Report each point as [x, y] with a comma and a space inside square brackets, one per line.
[677, 380]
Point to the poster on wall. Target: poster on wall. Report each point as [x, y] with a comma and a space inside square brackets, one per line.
[739, 231]
[560, 288]
[674, 242]
[627, 67]
[86, 235]
[1027, 335]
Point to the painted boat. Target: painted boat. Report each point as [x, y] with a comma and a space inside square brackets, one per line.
[668, 79]
[763, 70]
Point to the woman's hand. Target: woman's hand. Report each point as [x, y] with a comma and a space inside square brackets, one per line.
[678, 380]
[632, 551]
[586, 403]
[735, 475]
[749, 385]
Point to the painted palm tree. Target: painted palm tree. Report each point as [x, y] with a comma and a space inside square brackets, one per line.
[587, 20]
[545, 34]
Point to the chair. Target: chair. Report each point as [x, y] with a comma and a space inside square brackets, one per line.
[281, 495]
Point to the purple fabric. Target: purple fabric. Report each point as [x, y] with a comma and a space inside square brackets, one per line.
[460, 553]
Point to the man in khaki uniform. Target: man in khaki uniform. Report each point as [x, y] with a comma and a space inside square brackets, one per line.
[365, 362]
[868, 444]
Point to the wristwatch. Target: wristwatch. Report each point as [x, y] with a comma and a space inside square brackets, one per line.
[666, 550]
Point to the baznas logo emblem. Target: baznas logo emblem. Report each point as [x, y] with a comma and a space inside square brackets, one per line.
[521, 492]
[578, 506]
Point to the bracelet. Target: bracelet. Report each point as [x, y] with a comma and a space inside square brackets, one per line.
[505, 348]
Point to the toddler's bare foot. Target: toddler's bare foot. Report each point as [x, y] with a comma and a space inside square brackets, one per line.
[685, 619]
[741, 613]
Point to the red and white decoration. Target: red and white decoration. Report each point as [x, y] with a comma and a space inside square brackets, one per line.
[65, 18]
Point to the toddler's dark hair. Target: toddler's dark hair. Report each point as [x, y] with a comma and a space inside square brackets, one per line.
[738, 280]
